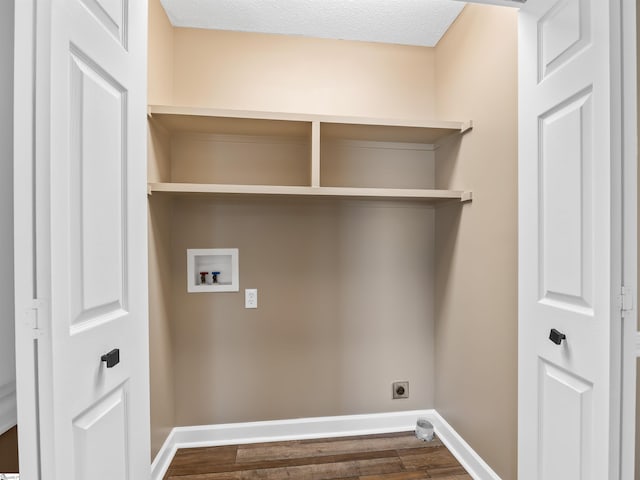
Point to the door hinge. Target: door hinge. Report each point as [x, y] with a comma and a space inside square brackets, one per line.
[34, 319]
[625, 300]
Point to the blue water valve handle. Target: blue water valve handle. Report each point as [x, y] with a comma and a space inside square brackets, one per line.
[215, 276]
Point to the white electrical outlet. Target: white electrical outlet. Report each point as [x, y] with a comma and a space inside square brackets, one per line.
[250, 298]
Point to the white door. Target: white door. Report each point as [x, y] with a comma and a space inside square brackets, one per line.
[569, 239]
[89, 278]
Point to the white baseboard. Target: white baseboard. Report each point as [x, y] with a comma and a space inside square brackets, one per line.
[321, 427]
[468, 458]
[163, 458]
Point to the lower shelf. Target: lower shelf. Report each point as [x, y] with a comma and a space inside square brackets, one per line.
[391, 193]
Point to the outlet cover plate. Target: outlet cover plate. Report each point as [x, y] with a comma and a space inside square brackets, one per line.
[250, 298]
[400, 390]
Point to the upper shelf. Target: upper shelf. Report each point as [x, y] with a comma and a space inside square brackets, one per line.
[228, 122]
[330, 172]
[209, 120]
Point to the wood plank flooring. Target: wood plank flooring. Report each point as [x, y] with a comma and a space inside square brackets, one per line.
[397, 456]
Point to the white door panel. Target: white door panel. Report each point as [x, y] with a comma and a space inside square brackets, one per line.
[112, 15]
[97, 190]
[564, 30]
[566, 414]
[569, 241]
[91, 268]
[105, 421]
[565, 205]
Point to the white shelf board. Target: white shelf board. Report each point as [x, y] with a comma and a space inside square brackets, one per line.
[391, 193]
[221, 122]
[227, 113]
[248, 122]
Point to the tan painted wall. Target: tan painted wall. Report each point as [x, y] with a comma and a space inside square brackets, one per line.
[161, 368]
[347, 331]
[476, 246]
[160, 65]
[345, 292]
[304, 75]
[160, 56]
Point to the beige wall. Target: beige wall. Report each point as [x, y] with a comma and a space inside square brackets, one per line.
[161, 354]
[160, 56]
[346, 331]
[476, 246]
[345, 308]
[304, 75]
[160, 87]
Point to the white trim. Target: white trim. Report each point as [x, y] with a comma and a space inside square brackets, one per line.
[468, 458]
[320, 427]
[500, 3]
[8, 407]
[28, 20]
[163, 458]
[630, 336]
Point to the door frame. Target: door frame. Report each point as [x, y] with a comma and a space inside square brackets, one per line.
[30, 141]
[28, 340]
[629, 152]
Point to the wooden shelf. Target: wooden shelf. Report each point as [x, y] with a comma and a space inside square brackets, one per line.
[210, 120]
[227, 122]
[432, 196]
[239, 152]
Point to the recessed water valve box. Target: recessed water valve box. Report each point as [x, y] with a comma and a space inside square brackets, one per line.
[212, 270]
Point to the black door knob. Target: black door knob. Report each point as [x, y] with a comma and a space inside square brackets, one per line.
[112, 358]
[556, 337]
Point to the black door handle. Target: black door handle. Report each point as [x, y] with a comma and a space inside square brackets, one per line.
[112, 358]
[556, 337]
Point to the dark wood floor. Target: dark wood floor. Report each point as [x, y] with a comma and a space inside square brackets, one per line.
[398, 456]
[9, 451]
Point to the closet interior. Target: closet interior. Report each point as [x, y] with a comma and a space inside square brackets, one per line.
[371, 193]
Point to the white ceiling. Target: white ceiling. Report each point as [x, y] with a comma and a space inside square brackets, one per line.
[407, 22]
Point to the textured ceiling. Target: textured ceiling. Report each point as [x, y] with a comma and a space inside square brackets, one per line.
[407, 22]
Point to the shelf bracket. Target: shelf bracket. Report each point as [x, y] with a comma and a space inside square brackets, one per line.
[466, 126]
